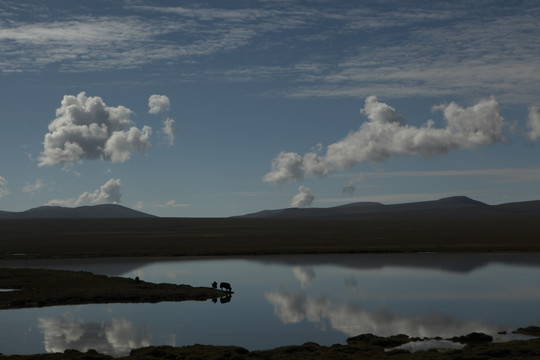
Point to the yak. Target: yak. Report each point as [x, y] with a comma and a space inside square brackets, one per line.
[226, 286]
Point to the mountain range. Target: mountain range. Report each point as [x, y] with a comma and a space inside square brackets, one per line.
[457, 206]
[56, 212]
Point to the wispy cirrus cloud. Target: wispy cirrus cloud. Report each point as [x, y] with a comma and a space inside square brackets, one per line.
[169, 204]
[502, 175]
[399, 50]
[36, 186]
[84, 44]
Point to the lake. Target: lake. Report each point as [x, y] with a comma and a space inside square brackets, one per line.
[285, 300]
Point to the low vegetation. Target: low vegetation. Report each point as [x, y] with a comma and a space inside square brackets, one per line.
[70, 238]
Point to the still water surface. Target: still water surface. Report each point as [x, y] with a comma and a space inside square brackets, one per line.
[286, 300]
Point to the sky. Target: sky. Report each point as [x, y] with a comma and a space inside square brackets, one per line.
[222, 108]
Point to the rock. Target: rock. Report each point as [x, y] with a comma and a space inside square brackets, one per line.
[384, 342]
[529, 330]
[473, 338]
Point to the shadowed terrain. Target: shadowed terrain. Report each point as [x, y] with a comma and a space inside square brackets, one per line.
[38, 238]
[359, 347]
[41, 287]
[95, 211]
[446, 225]
[456, 224]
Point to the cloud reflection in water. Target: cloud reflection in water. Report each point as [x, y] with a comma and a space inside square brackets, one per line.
[304, 274]
[352, 320]
[115, 337]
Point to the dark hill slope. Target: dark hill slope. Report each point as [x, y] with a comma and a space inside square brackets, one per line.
[56, 212]
[457, 206]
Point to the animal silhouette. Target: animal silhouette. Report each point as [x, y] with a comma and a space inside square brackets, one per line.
[226, 286]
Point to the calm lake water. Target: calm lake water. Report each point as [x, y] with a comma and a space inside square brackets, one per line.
[284, 300]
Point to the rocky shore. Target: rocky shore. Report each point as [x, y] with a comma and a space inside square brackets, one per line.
[475, 346]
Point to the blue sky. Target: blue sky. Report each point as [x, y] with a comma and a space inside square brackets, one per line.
[220, 108]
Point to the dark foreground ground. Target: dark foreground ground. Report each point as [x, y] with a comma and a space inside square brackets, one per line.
[43, 287]
[236, 236]
[71, 238]
[359, 347]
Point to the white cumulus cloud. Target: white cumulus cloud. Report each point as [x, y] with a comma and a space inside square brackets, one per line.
[304, 197]
[158, 104]
[287, 166]
[108, 193]
[86, 128]
[386, 135]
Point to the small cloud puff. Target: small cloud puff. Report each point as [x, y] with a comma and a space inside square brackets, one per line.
[304, 197]
[3, 187]
[158, 104]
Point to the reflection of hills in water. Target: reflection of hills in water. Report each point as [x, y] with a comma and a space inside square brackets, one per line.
[449, 262]
[104, 266]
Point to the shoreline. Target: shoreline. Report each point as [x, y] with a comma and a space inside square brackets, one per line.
[365, 346]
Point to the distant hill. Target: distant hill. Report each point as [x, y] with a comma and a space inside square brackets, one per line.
[56, 212]
[457, 206]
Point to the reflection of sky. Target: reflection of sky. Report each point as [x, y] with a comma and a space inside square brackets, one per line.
[353, 320]
[116, 337]
[290, 302]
